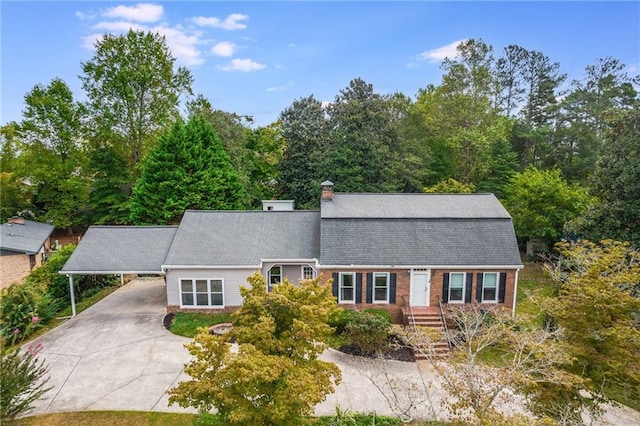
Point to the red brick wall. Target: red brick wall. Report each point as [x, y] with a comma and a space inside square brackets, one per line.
[403, 282]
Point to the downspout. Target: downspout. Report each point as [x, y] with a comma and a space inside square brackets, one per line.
[515, 295]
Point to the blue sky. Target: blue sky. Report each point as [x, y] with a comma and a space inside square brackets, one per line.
[256, 58]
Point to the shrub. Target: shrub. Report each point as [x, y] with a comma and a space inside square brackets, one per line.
[47, 276]
[341, 319]
[23, 381]
[368, 332]
[19, 305]
[381, 313]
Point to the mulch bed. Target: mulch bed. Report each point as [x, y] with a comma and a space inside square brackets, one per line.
[168, 319]
[396, 351]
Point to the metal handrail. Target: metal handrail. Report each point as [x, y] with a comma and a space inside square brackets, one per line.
[444, 323]
[406, 304]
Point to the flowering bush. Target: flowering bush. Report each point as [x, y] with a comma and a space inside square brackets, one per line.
[22, 308]
[23, 379]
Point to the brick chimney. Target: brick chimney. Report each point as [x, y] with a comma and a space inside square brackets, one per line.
[327, 190]
[16, 220]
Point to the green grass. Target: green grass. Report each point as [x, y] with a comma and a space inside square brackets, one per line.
[532, 281]
[187, 324]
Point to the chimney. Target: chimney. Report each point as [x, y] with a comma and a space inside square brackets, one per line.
[327, 190]
[16, 220]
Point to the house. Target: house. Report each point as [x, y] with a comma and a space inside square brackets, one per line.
[390, 251]
[23, 246]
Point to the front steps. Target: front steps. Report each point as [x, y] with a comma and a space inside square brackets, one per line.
[430, 318]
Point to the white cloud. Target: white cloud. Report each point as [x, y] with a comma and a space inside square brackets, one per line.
[243, 65]
[224, 48]
[118, 26]
[412, 66]
[141, 12]
[182, 44]
[437, 55]
[84, 16]
[231, 22]
[88, 42]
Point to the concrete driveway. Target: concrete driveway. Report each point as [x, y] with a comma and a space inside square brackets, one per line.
[117, 355]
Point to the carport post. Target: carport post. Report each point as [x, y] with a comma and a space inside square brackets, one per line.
[121, 279]
[73, 298]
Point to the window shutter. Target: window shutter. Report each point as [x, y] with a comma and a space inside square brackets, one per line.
[358, 287]
[445, 287]
[369, 287]
[392, 289]
[468, 288]
[503, 287]
[480, 278]
[334, 286]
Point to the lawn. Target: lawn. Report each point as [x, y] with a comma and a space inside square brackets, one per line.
[188, 324]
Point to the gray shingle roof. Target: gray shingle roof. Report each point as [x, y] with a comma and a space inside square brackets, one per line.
[460, 206]
[244, 237]
[121, 249]
[24, 238]
[429, 242]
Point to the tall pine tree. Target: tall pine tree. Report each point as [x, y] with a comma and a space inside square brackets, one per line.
[189, 169]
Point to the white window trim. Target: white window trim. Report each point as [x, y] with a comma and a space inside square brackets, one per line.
[497, 287]
[388, 287]
[269, 284]
[464, 285]
[193, 292]
[314, 274]
[340, 286]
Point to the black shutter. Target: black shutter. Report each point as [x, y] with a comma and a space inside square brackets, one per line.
[392, 289]
[479, 280]
[469, 288]
[369, 287]
[334, 286]
[358, 287]
[445, 287]
[503, 287]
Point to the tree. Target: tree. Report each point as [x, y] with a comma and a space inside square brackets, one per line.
[265, 147]
[133, 91]
[597, 310]
[305, 132]
[614, 182]
[361, 137]
[188, 169]
[110, 196]
[53, 160]
[450, 186]
[14, 195]
[493, 356]
[541, 202]
[276, 377]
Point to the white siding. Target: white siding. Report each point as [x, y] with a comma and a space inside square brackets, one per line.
[233, 280]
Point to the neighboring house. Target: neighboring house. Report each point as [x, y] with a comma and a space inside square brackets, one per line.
[390, 251]
[23, 245]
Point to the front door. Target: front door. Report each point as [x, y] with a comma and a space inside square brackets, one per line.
[420, 288]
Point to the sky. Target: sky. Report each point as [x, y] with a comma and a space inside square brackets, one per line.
[255, 58]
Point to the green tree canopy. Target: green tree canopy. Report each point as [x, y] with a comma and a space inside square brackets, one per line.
[188, 169]
[276, 377]
[541, 202]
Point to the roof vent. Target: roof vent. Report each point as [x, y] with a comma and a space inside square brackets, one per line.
[327, 190]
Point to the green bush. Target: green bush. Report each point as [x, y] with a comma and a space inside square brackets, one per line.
[20, 304]
[341, 319]
[57, 285]
[368, 332]
[381, 313]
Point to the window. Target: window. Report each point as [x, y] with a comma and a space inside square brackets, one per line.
[490, 287]
[308, 273]
[456, 287]
[347, 290]
[201, 292]
[381, 287]
[275, 276]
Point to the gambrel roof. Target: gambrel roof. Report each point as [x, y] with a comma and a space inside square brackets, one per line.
[417, 229]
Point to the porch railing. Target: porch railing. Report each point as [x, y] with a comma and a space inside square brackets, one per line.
[407, 308]
[444, 323]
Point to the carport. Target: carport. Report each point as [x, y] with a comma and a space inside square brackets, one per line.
[119, 250]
